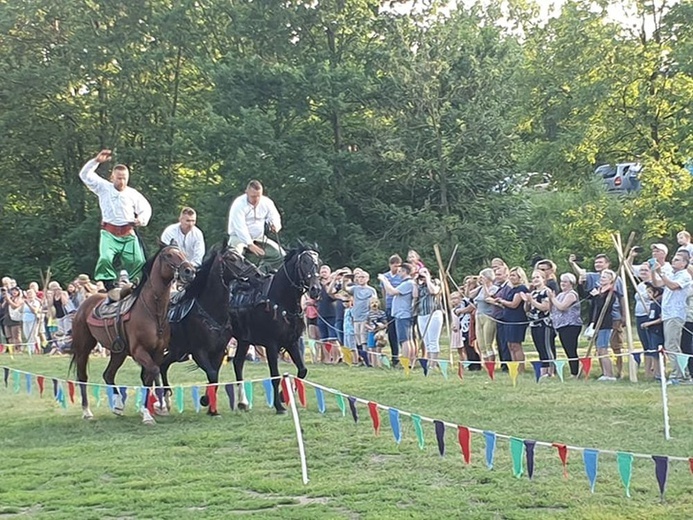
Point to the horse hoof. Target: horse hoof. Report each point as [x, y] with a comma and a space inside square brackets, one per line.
[213, 413]
[281, 411]
[149, 422]
[87, 416]
[118, 412]
[244, 407]
[204, 400]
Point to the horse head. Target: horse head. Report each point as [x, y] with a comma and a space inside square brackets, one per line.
[302, 271]
[174, 264]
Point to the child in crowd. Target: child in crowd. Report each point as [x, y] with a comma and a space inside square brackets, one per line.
[377, 332]
[361, 296]
[349, 336]
[455, 322]
[655, 331]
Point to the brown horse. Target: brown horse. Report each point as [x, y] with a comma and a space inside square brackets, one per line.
[143, 332]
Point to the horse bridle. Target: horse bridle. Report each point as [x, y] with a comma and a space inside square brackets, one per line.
[176, 268]
[303, 284]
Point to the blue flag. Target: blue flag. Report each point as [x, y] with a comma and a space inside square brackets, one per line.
[590, 458]
[395, 424]
[490, 448]
[320, 398]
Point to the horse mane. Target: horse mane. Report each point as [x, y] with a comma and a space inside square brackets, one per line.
[197, 286]
[146, 272]
[300, 248]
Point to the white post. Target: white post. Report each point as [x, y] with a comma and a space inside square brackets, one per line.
[297, 426]
[665, 400]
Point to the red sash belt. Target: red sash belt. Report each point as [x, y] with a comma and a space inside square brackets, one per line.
[119, 231]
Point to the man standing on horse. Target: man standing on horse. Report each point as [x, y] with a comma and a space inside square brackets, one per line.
[122, 210]
[248, 216]
[186, 235]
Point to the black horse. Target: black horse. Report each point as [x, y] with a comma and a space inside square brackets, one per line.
[272, 316]
[200, 322]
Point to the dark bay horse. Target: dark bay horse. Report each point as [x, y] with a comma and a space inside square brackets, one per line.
[276, 322]
[142, 333]
[200, 324]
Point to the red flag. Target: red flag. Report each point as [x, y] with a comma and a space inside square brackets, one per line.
[491, 367]
[285, 391]
[460, 370]
[151, 400]
[301, 390]
[690, 462]
[563, 454]
[375, 416]
[212, 396]
[586, 363]
[71, 391]
[39, 381]
[465, 439]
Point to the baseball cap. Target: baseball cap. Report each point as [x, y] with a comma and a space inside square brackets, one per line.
[661, 247]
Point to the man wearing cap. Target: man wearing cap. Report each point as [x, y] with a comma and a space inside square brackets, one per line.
[248, 216]
[676, 284]
[659, 258]
[122, 210]
[186, 235]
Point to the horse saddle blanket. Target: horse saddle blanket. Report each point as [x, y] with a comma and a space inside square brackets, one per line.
[179, 307]
[249, 293]
[106, 313]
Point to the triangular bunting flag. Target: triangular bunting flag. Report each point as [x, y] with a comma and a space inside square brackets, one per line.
[690, 464]
[563, 455]
[195, 391]
[123, 394]
[211, 395]
[71, 391]
[109, 396]
[386, 361]
[529, 451]
[96, 392]
[625, 469]
[637, 359]
[418, 429]
[440, 436]
[269, 392]
[352, 407]
[28, 383]
[301, 391]
[490, 438]
[39, 381]
[17, 381]
[490, 368]
[180, 399]
[286, 390]
[460, 370]
[346, 355]
[559, 364]
[6, 374]
[363, 355]
[375, 416]
[340, 404]
[536, 365]
[395, 424]
[661, 471]
[467, 364]
[55, 386]
[682, 362]
[444, 366]
[424, 364]
[405, 365]
[231, 393]
[591, 459]
[517, 446]
[586, 364]
[248, 389]
[140, 394]
[320, 399]
[464, 437]
[513, 369]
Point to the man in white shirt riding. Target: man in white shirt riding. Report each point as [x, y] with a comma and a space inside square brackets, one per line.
[247, 218]
[186, 235]
[122, 210]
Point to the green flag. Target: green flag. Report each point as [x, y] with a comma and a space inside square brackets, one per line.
[418, 429]
[248, 386]
[341, 404]
[180, 399]
[517, 447]
[625, 469]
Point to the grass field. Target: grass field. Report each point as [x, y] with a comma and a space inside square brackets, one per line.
[55, 465]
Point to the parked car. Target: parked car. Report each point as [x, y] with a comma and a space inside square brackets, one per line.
[620, 178]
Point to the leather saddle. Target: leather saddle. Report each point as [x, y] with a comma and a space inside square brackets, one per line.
[106, 313]
[179, 308]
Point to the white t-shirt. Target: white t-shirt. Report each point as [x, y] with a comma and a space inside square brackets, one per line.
[192, 243]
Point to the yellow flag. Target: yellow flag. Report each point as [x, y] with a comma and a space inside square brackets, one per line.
[346, 355]
[405, 365]
[513, 367]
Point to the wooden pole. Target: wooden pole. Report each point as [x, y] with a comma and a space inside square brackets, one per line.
[625, 311]
[446, 295]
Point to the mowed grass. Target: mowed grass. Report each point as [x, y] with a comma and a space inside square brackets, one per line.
[53, 464]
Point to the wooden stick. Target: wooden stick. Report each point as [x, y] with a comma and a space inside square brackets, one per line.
[446, 294]
[625, 312]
